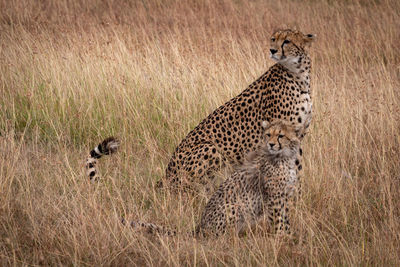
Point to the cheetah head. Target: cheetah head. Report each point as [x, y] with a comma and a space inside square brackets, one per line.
[281, 138]
[287, 46]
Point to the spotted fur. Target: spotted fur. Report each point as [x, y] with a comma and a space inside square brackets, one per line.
[107, 147]
[259, 190]
[234, 129]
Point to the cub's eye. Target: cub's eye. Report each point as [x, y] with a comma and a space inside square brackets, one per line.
[286, 41]
[273, 39]
[269, 135]
[281, 136]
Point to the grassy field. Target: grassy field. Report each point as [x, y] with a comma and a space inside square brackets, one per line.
[75, 72]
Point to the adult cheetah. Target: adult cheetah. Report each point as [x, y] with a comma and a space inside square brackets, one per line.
[259, 190]
[234, 128]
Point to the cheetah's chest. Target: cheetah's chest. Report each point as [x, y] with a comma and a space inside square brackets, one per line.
[280, 177]
[305, 110]
[291, 102]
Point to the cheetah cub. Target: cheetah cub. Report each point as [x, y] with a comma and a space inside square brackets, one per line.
[260, 189]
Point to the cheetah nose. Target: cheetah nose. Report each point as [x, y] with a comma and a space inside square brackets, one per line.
[273, 51]
[271, 145]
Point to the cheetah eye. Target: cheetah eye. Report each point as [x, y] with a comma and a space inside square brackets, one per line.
[281, 136]
[273, 39]
[286, 41]
[269, 135]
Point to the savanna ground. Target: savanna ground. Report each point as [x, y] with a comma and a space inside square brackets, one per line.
[74, 72]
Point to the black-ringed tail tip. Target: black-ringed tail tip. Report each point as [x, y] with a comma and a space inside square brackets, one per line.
[107, 147]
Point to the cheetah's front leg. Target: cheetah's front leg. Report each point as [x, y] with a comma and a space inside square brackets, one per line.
[299, 174]
[279, 213]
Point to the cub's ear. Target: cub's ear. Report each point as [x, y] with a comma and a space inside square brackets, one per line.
[301, 132]
[265, 124]
[308, 38]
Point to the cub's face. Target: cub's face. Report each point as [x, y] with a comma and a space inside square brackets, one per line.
[280, 138]
[287, 46]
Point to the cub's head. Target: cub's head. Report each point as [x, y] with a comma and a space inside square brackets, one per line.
[281, 138]
[288, 45]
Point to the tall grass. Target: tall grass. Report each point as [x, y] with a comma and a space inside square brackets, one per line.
[74, 72]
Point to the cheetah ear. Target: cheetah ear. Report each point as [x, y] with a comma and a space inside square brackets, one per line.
[264, 124]
[308, 38]
[300, 132]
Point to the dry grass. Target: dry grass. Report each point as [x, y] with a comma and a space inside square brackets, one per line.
[74, 72]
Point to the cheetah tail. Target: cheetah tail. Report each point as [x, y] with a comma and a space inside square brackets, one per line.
[108, 146]
[150, 228]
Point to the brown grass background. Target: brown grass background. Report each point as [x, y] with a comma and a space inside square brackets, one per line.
[74, 72]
